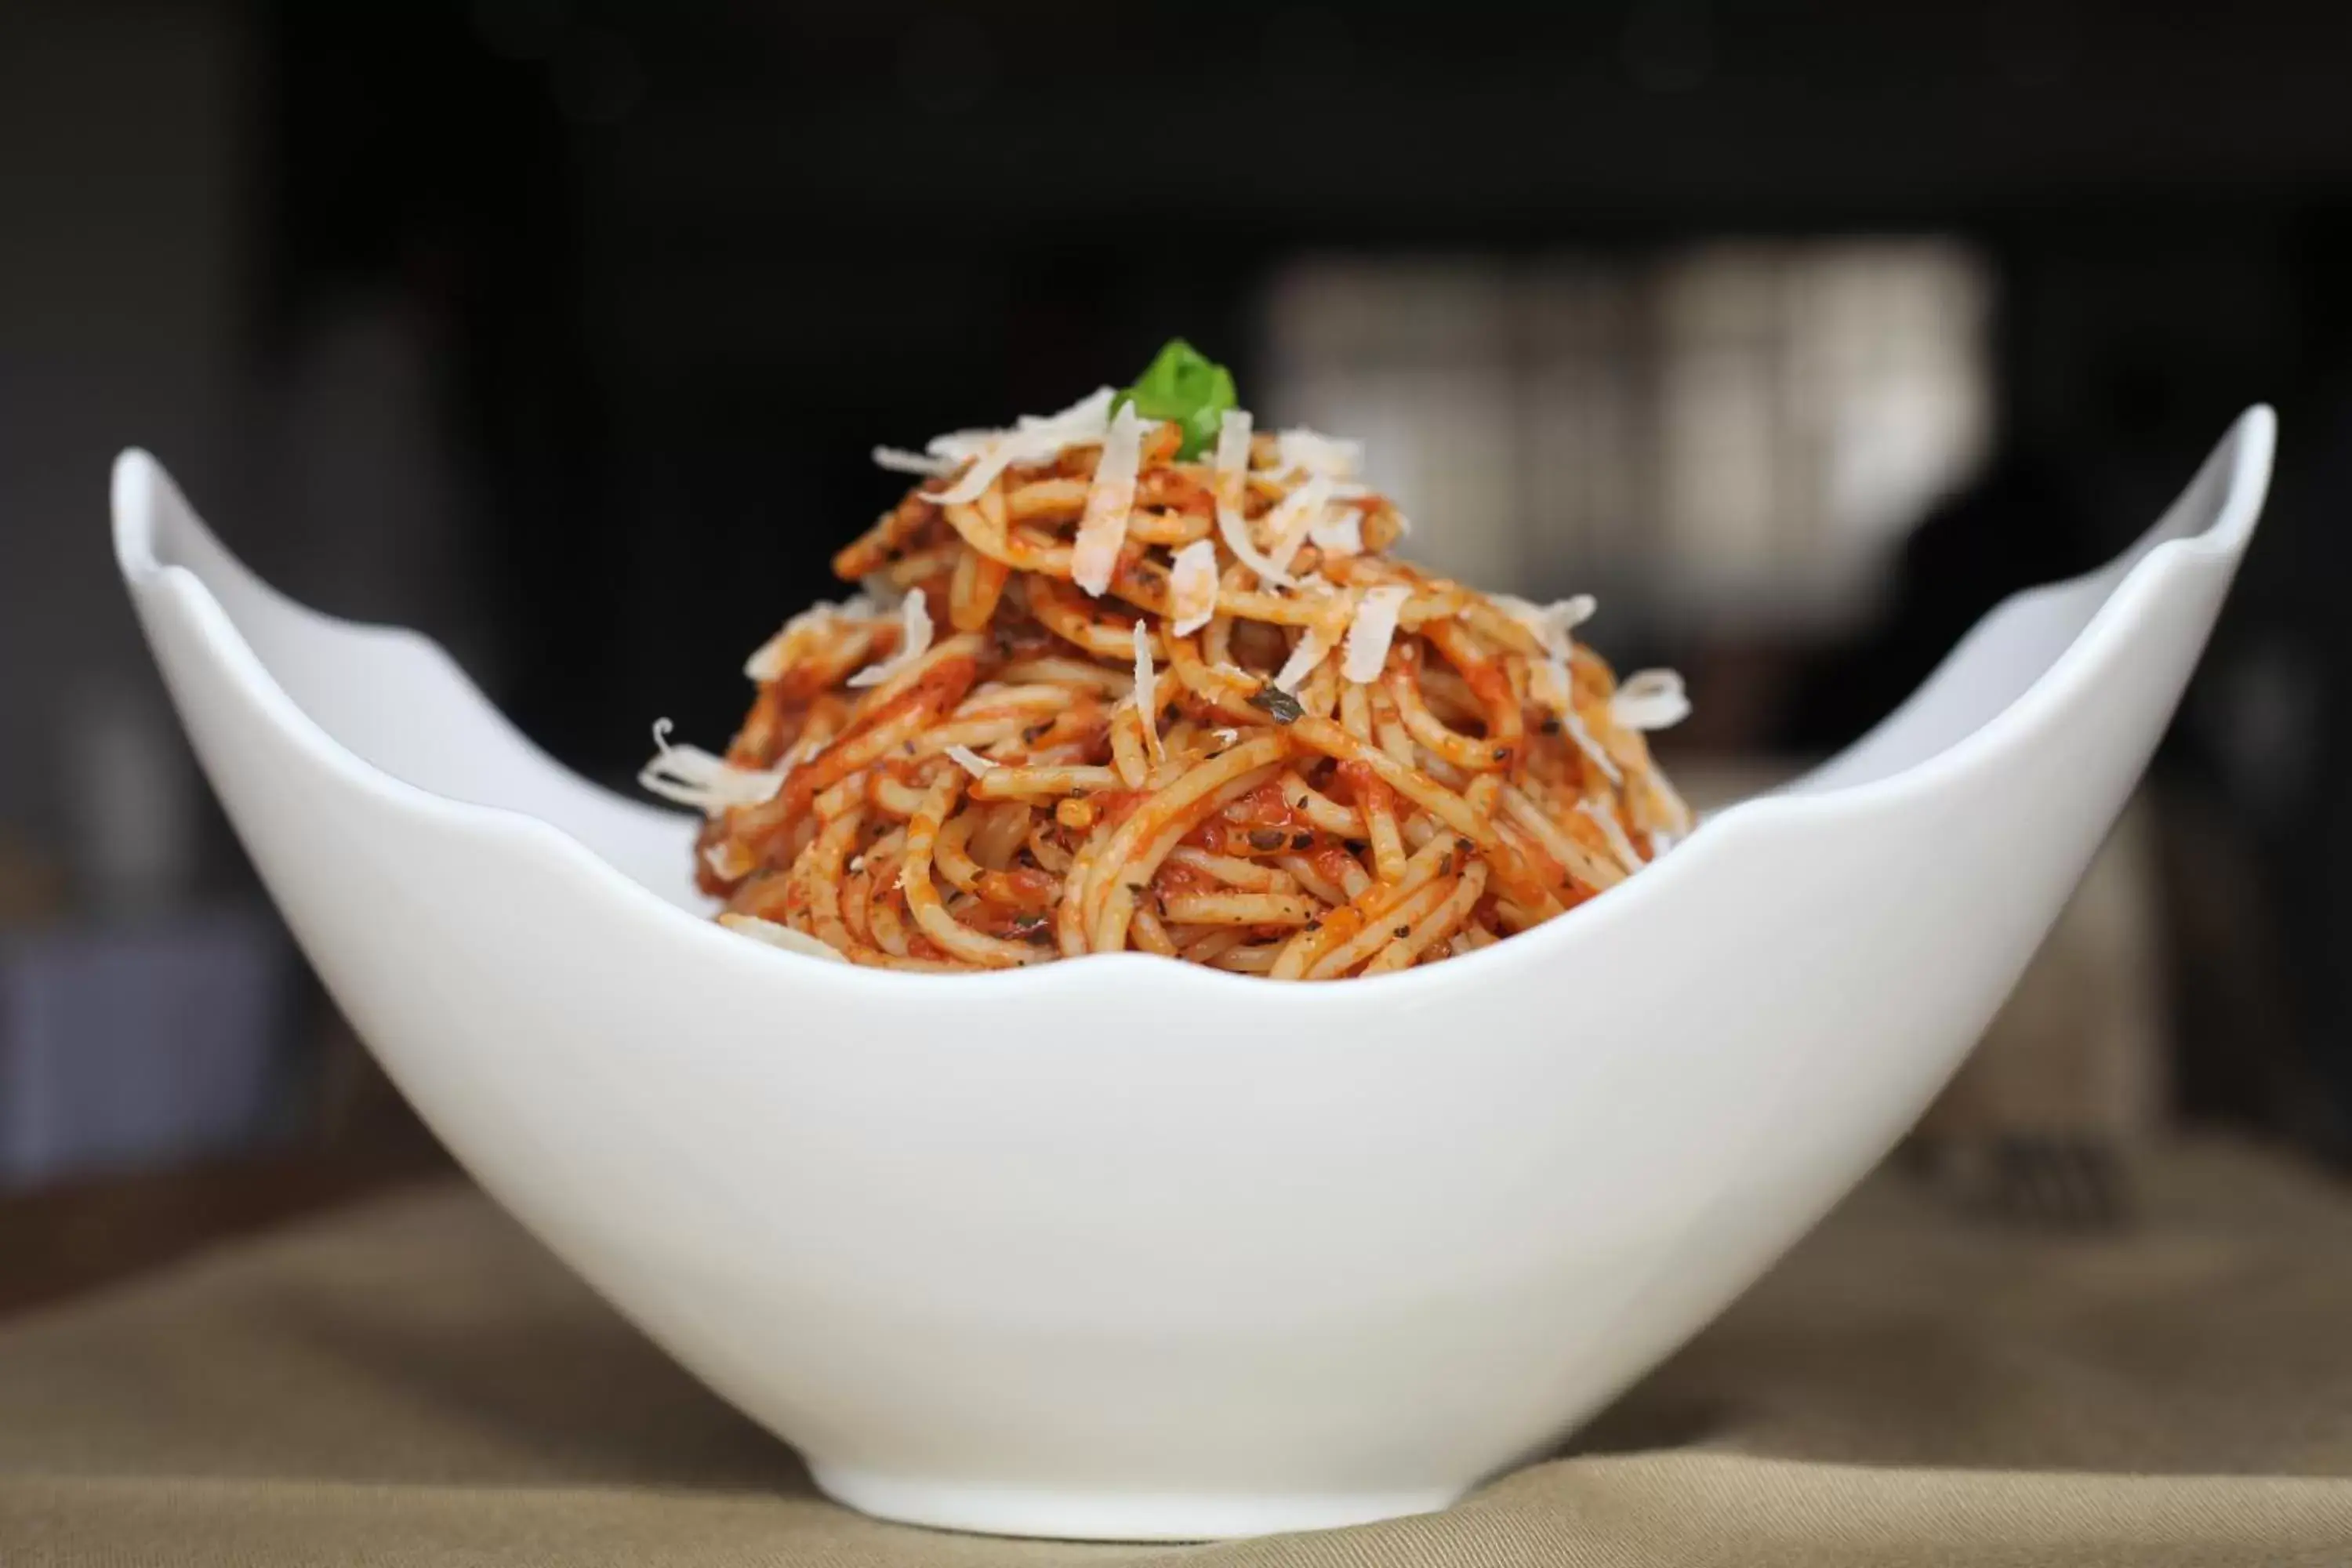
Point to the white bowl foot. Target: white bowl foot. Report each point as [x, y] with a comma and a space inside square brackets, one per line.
[1113, 1515]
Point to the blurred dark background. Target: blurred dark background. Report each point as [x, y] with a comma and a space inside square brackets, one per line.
[562, 330]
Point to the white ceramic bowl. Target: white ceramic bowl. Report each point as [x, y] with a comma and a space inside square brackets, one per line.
[1121, 1247]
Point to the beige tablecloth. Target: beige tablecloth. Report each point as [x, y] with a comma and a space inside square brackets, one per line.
[415, 1383]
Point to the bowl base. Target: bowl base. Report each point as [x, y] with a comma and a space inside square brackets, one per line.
[989, 1510]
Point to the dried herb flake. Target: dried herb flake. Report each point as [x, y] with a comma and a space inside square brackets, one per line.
[1276, 704]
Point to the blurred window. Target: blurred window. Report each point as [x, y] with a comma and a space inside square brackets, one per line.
[1733, 433]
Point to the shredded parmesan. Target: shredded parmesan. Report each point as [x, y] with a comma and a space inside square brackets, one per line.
[1031, 441]
[1192, 588]
[1582, 736]
[1668, 800]
[1146, 693]
[1553, 626]
[899, 461]
[1296, 513]
[1311, 452]
[1615, 831]
[914, 641]
[729, 860]
[767, 660]
[782, 936]
[772, 658]
[1231, 480]
[1370, 631]
[1311, 651]
[1338, 534]
[970, 761]
[1550, 625]
[1110, 498]
[711, 785]
[1649, 699]
[1551, 686]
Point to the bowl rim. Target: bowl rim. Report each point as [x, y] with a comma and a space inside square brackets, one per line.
[141, 489]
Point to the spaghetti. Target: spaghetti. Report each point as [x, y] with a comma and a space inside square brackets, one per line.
[1114, 684]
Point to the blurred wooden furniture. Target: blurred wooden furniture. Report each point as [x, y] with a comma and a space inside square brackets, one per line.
[60, 1241]
[31, 886]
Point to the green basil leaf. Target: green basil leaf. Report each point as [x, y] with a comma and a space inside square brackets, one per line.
[1185, 386]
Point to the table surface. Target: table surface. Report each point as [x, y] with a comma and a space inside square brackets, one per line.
[412, 1380]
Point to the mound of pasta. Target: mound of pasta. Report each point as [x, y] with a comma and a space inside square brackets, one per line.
[1137, 676]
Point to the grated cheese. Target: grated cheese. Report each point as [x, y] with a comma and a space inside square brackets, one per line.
[1146, 693]
[970, 761]
[1110, 498]
[1031, 441]
[1291, 518]
[1370, 631]
[1551, 623]
[914, 641]
[1649, 699]
[1338, 534]
[1551, 686]
[1582, 736]
[783, 936]
[899, 460]
[772, 658]
[689, 776]
[729, 862]
[1615, 831]
[1666, 801]
[1312, 452]
[1192, 588]
[1553, 627]
[1312, 649]
[1232, 478]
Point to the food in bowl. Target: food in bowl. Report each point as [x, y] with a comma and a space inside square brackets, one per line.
[1137, 676]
